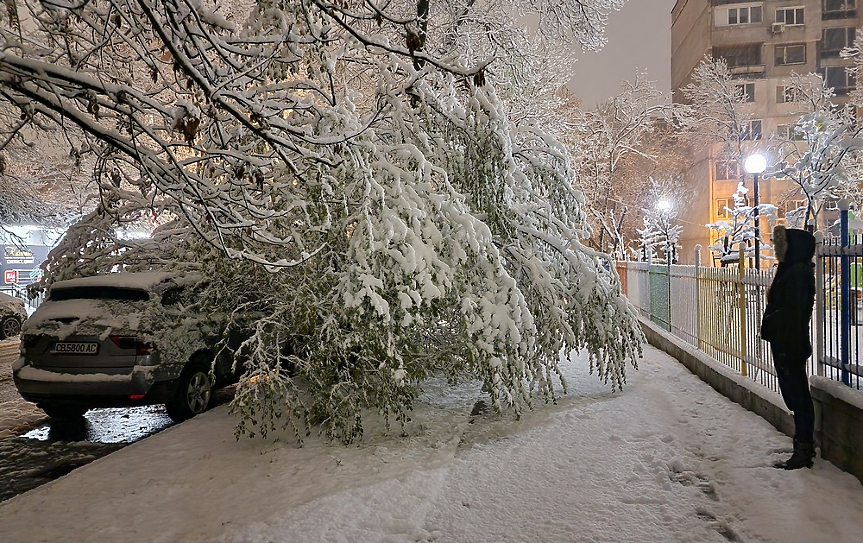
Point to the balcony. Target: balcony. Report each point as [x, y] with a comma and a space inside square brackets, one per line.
[755, 69]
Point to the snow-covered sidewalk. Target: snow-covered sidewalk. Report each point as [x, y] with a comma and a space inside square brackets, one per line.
[666, 459]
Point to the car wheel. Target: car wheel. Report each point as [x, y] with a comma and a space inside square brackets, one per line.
[10, 326]
[61, 411]
[193, 393]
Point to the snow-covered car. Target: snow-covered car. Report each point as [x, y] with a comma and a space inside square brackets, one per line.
[124, 339]
[13, 313]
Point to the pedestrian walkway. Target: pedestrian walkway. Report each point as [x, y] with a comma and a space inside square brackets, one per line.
[665, 459]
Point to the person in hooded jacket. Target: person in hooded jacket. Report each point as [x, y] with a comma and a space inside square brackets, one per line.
[786, 326]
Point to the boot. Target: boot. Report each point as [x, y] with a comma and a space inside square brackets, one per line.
[801, 458]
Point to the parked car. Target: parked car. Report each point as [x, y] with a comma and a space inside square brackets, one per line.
[13, 313]
[123, 339]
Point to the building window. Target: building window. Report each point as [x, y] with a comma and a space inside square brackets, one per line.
[742, 14]
[727, 169]
[722, 208]
[747, 91]
[788, 132]
[786, 94]
[838, 9]
[833, 40]
[790, 54]
[790, 16]
[739, 55]
[838, 78]
[752, 130]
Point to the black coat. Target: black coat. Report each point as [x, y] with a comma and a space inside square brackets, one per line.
[791, 296]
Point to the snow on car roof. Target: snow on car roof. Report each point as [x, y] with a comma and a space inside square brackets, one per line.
[135, 280]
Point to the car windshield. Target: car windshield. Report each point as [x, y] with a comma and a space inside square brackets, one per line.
[98, 293]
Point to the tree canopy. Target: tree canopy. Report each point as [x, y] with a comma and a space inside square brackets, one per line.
[361, 176]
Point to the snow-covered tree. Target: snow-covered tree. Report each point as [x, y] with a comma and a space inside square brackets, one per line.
[348, 172]
[739, 230]
[716, 111]
[602, 140]
[827, 139]
[658, 238]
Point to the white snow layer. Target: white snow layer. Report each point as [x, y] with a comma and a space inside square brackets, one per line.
[665, 459]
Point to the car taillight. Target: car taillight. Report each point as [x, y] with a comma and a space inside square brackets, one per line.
[128, 342]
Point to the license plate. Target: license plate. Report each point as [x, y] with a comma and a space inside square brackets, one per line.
[70, 347]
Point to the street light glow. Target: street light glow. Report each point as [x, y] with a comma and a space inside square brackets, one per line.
[755, 164]
[663, 205]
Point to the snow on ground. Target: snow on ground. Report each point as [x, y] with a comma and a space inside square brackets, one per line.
[16, 413]
[666, 459]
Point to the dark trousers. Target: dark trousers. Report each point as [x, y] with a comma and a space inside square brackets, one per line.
[794, 387]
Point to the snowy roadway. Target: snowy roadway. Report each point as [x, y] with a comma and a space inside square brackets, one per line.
[666, 459]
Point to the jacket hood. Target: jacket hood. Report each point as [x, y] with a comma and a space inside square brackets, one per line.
[793, 245]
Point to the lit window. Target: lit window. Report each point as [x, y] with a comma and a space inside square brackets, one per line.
[722, 208]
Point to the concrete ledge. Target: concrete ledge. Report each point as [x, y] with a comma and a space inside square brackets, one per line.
[746, 392]
[839, 423]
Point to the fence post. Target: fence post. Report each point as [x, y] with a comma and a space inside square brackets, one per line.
[698, 296]
[649, 285]
[820, 315]
[741, 287]
[845, 292]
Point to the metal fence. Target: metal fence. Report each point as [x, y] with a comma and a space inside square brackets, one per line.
[718, 310]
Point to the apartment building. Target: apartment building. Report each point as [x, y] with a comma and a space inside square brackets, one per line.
[763, 43]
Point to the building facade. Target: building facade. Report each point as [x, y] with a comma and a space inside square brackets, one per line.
[763, 43]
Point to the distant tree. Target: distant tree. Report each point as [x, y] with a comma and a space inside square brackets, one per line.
[603, 140]
[368, 178]
[659, 237]
[716, 110]
[739, 231]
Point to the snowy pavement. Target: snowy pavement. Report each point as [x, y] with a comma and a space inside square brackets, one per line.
[666, 459]
[15, 413]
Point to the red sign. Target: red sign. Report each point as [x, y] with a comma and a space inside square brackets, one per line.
[10, 277]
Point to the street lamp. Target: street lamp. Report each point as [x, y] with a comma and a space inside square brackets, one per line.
[756, 164]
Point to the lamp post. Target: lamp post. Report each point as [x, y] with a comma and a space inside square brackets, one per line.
[756, 164]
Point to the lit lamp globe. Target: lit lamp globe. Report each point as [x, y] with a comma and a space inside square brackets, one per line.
[663, 205]
[755, 164]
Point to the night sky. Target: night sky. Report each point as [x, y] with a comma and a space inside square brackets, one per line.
[639, 37]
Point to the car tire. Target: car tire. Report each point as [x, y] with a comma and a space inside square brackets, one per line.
[61, 411]
[193, 393]
[9, 327]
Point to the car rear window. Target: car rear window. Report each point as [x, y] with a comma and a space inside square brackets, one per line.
[98, 293]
